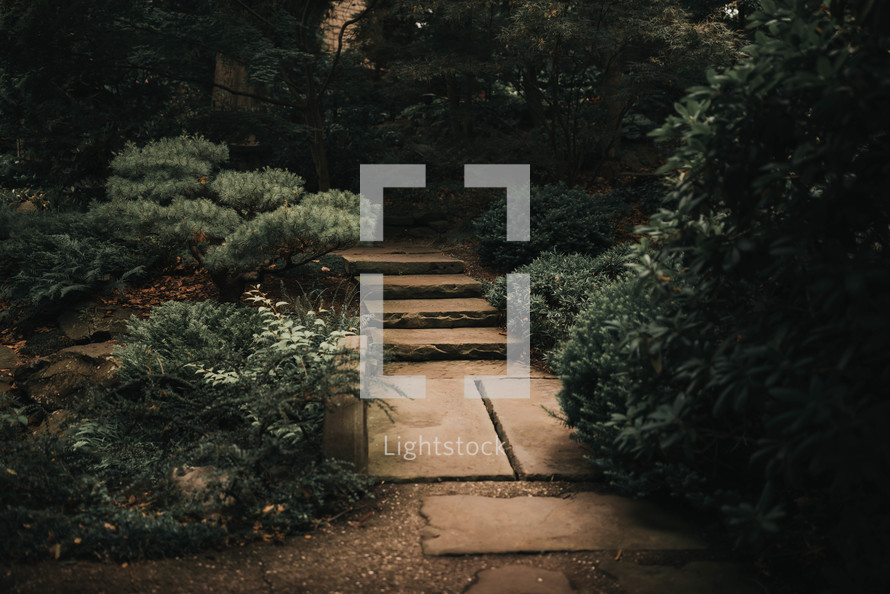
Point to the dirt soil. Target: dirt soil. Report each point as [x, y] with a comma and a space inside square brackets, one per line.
[374, 548]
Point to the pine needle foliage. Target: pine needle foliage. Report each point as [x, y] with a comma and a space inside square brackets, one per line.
[238, 225]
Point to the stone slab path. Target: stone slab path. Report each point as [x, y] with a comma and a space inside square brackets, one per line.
[437, 325]
[443, 436]
[466, 524]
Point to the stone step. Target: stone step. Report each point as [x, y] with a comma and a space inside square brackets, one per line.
[391, 248]
[430, 286]
[401, 263]
[445, 343]
[438, 313]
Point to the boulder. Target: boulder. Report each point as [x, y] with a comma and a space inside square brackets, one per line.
[59, 379]
[91, 321]
[8, 358]
[27, 206]
[8, 361]
[203, 484]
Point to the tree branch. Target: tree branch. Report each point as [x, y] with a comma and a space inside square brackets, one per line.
[347, 24]
[178, 77]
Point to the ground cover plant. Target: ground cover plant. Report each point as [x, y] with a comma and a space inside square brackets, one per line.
[561, 285]
[50, 257]
[563, 219]
[211, 436]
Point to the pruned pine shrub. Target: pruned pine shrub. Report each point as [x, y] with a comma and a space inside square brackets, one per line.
[563, 219]
[238, 225]
[561, 285]
[237, 392]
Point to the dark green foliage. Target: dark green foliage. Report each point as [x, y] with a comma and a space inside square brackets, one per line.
[563, 219]
[561, 286]
[49, 257]
[238, 225]
[763, 362]
[647, 195]
[72, 89]
[238, 393]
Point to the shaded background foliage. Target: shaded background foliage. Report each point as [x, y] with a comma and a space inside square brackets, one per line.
[751, 357]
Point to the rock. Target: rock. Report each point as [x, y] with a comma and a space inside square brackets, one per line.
[520, 579]
[8, 358]
[379, 261]
[541, 443]
[26, 207]
[8, 361]
[90, 320]
[203, 483]
[442, 435]
[56, 381]
[46, 343]
[430, 286]
[54, 423]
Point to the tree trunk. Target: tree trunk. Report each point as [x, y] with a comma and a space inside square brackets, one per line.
[314, 118]
[615, 106]
[453, 104]
[534, 99]
[231, 286]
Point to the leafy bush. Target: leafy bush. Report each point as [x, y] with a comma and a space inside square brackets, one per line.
[562, 219]
[48, 257]
[763, 363]
[561, 285]
[234, 394]
[237, 225]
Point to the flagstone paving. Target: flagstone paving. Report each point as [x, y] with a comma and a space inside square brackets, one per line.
[468, 524]
[433, 333]
[442, 436]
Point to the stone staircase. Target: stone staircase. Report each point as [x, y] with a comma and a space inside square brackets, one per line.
[431, 310]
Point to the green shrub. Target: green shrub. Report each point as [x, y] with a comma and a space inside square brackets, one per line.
[561, 285]
[239, 393]
[562, 219]
[620, 404]
[237, 225]
[48, 257]
[766, 372]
